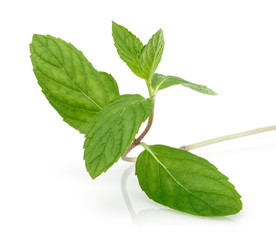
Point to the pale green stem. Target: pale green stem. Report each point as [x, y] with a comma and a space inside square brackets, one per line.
[227, 137]
[150, 90]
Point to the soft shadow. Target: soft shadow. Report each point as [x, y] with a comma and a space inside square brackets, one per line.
[124, 178]
[160, 215]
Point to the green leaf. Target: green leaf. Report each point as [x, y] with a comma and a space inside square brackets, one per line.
[113, 131]
[151, 55]
[129, 47]
[159, 82]
[142, 60]
[185, 182]
[69, 81]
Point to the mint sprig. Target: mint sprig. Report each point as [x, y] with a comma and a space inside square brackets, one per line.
[143, 60]
[89, 101]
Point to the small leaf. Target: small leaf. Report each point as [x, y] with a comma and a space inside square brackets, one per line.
[185, 182]
[129, 47]
[69, 81]
[151, 55]
[113, 130]
[159, 82]
[142, 60]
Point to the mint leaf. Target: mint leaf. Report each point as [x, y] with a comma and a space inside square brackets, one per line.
[142, 60]
[185, 182]
[69, 81]
[129, 47]
[159, 82]
[151, 55]
[113, 130]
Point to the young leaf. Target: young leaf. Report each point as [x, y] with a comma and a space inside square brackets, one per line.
[151, 55]
[113, 130]
[185, 182]
[69, 81]
[129, 47]
[159, 82]
[142, 60]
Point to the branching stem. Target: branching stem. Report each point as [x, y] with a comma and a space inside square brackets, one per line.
[139, 139]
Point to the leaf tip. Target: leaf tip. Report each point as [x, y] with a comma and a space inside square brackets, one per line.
[213, 93]
[36, 36]
[160, 32]
[115, 26]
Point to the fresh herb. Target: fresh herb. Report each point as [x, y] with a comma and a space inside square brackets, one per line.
[89, 101]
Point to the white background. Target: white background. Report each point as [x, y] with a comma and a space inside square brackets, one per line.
[45, 191]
